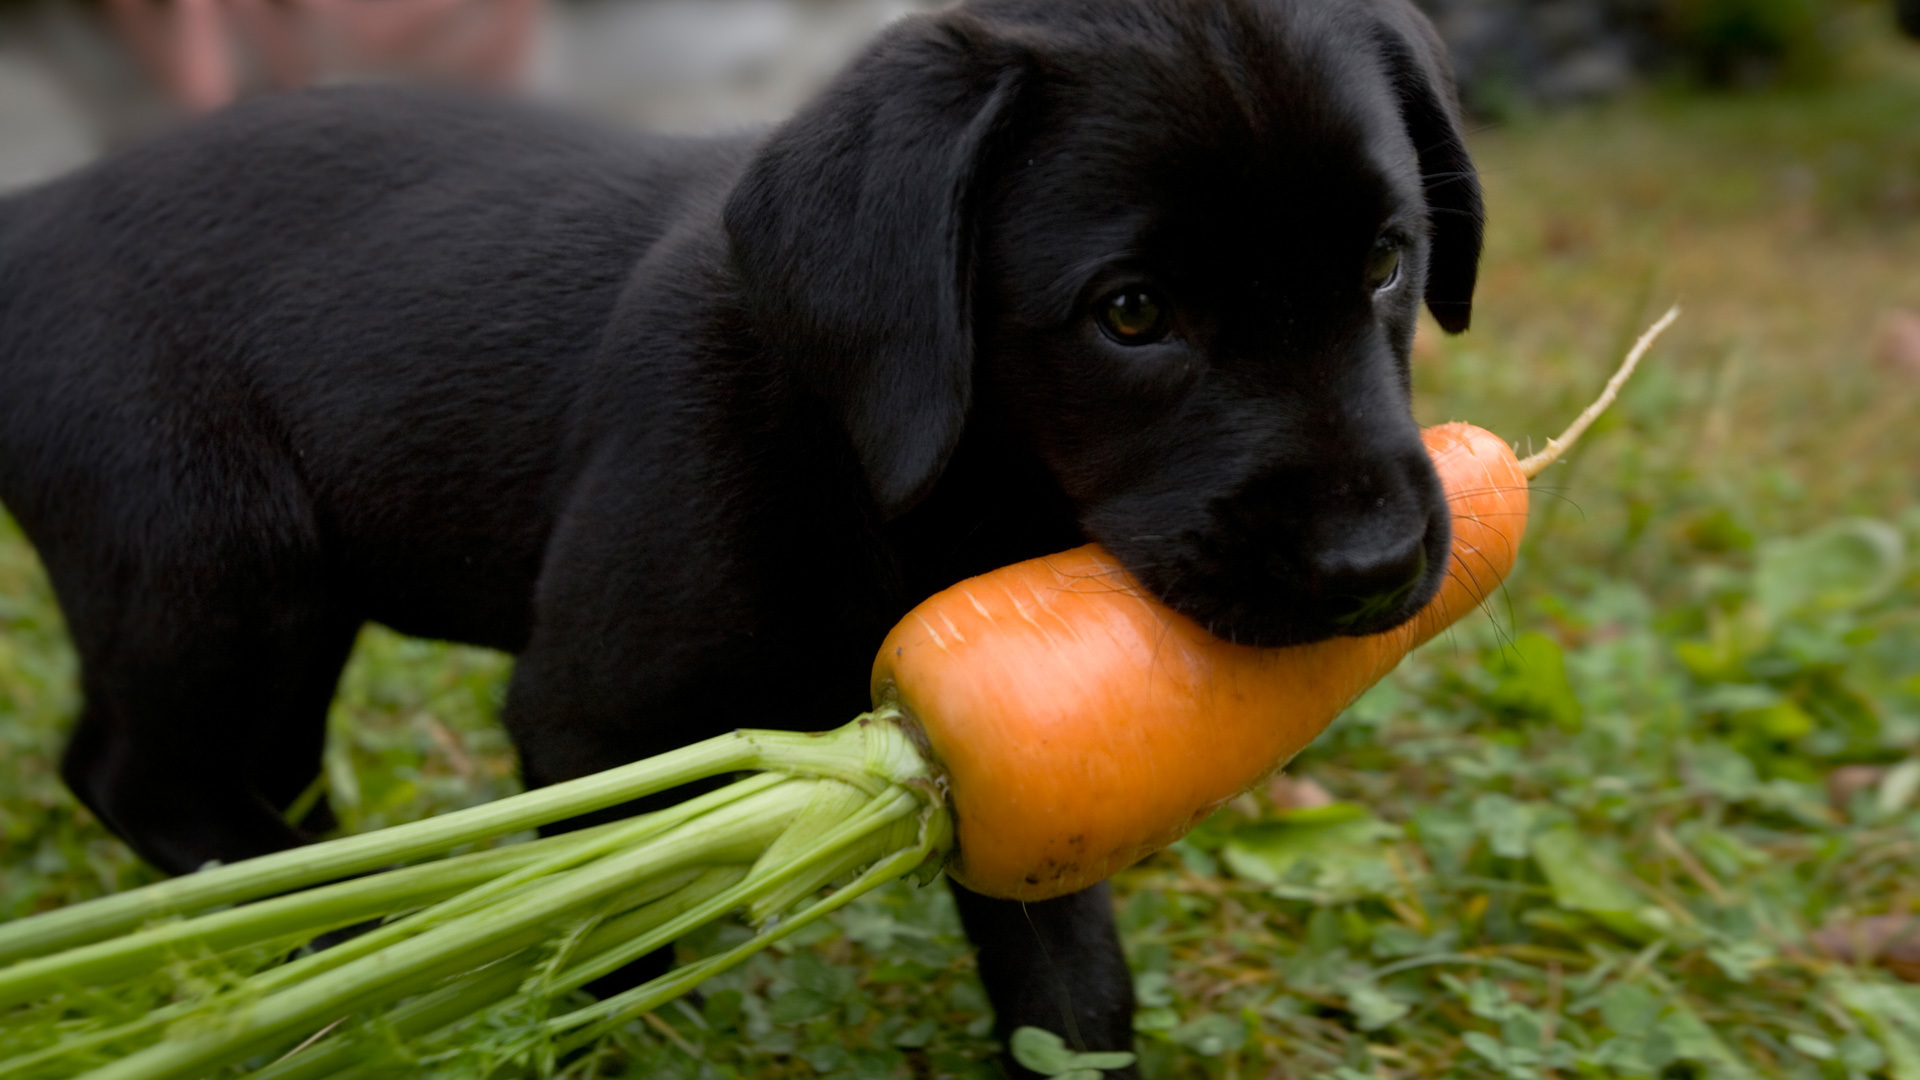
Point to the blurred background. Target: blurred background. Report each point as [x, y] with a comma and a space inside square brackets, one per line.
[1656, 815]
[77, 75]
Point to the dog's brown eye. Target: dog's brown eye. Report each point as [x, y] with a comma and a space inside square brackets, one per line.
[1383, 266]
[1133, 316]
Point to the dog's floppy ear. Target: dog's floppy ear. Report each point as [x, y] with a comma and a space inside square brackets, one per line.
[852, 231]
[1416, 61]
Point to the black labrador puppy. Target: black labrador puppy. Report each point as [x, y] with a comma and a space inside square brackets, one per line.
[688, 423]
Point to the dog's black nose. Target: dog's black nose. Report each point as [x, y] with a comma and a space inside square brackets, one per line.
[1361, 584]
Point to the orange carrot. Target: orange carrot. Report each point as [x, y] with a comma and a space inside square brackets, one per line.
[1132, 722]
[1081, 725]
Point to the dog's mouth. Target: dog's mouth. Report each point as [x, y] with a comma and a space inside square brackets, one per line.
[1250, 596]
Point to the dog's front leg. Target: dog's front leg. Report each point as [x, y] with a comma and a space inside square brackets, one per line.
[1054, 964]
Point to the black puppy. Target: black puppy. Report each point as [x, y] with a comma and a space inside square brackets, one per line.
[687, 424]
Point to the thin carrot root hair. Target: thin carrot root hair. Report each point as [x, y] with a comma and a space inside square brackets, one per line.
[1535, 464]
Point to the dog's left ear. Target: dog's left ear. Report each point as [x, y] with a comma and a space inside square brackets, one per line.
[853, 232]
[1422, 77]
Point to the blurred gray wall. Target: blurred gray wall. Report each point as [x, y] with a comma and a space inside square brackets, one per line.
[67, 90]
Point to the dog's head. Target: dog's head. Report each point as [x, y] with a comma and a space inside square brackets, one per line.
[1182, 243]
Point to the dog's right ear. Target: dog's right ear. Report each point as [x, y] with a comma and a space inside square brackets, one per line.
[853, 233]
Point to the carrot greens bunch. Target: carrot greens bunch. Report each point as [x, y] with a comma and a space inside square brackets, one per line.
[514, 925]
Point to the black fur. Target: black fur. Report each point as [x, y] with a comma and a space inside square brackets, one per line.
[687, 424]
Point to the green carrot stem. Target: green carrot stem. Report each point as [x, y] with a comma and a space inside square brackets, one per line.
[839, 867]
[452, 1005]
[604, 1016]
[833, 802]
[527, 861]
[428, 1012]
[522, 863]
[225, 1005]
[621, 940]
[622, 865]
[732, 833]
[95, 1042]
[601, 841]
[870, 753]
[288, 870]
[311, 912]
[877, 816]
[934, 842]
[557, 978]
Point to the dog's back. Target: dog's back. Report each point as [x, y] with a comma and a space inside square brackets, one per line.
[314, 297]
[306, 363]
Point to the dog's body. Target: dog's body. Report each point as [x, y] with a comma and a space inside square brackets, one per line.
[687, 424]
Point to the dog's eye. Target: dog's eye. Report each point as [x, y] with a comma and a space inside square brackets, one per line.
[1383, 265]
[1133, 316]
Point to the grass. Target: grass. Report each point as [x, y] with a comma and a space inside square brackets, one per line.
[1591, 838]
